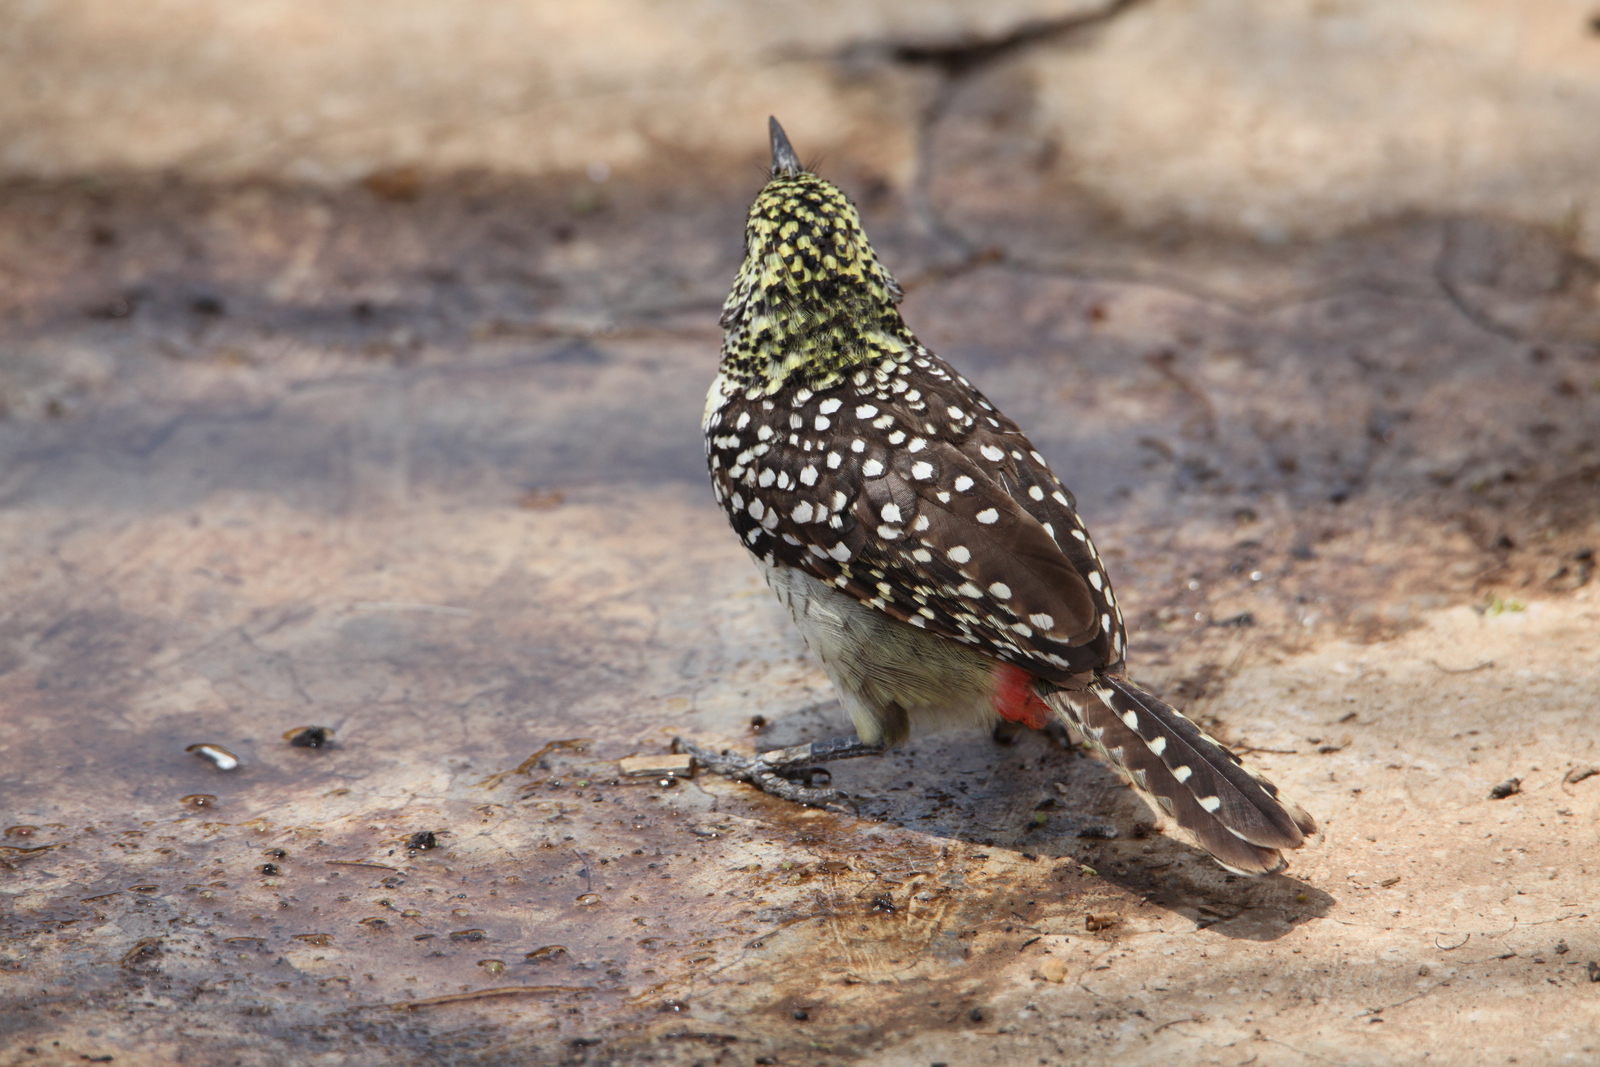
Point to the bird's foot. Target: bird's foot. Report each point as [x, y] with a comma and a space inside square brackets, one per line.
[1057, 731]
[1009, 733]
[786, 773]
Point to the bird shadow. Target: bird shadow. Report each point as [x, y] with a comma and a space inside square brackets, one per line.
[1045, 799]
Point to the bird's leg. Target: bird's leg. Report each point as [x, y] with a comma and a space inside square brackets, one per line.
[773, 772]
[1009, 733]
[1056, 730]
[834, 748]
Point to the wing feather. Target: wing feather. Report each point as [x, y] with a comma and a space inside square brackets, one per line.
[952, 524]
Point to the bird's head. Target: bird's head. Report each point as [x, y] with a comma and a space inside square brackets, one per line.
[811, 298]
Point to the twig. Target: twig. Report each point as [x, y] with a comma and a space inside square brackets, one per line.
[1462, 670]
[1175, 1022]
[482, 994]
[1398, 1003]
[361, 863]
[576, 743]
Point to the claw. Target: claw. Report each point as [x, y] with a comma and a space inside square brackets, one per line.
[768, 772]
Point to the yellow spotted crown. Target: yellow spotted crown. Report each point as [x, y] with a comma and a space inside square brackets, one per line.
[811, 299]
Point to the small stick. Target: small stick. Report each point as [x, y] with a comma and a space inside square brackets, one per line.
[481, 994]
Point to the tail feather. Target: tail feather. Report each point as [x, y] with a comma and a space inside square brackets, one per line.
[1231, 811]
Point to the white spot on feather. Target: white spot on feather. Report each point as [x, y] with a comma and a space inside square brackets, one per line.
[989, 516]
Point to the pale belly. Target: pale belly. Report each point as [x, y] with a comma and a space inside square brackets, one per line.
[887, 673]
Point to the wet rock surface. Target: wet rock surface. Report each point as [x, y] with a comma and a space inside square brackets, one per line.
[419, 463]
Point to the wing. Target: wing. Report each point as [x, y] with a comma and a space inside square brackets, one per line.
[905, 488]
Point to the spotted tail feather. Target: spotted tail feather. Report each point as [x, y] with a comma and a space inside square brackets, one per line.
[1228, 809]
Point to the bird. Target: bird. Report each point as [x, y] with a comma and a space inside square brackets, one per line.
[935, 565]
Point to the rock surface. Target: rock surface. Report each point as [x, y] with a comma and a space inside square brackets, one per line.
[1267, 118]
[417, 460]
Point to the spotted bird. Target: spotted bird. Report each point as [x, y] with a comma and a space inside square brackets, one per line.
[934, 563]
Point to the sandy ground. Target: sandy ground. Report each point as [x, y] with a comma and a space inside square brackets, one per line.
[418, 461]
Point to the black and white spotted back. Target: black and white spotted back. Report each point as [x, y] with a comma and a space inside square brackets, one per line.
[903, 486]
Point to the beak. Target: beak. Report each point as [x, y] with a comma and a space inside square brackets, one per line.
[785, 163]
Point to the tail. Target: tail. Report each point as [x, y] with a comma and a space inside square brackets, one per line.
[1228, 809]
